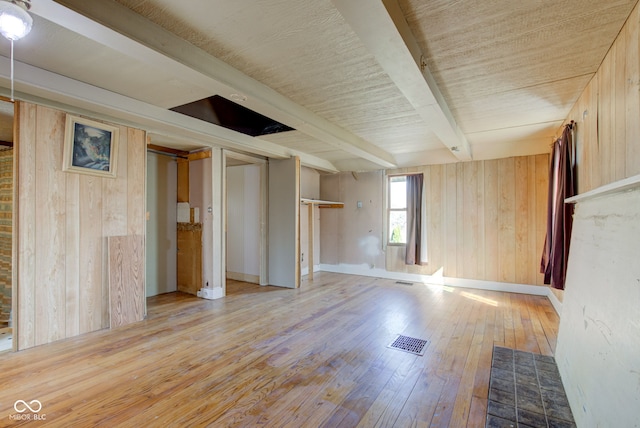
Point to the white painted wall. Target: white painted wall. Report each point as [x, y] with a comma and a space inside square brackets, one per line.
[598, 351]
[243, 222]
[161, 240]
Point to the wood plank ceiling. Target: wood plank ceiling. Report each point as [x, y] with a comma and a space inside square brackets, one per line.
[366, 84]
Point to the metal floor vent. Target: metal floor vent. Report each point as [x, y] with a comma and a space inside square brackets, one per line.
[404, 283]
[409, 344]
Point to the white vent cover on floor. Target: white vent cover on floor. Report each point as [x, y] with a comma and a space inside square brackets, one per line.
[409, 344]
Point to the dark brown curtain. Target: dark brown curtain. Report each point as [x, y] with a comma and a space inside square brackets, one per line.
[414, 219]
[559, 214]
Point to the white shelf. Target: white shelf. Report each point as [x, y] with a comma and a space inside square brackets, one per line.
[607, 189]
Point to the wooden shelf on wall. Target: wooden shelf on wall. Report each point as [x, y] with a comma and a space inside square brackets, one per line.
[322, 204]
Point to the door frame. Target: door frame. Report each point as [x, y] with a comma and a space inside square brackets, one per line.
[264, 185]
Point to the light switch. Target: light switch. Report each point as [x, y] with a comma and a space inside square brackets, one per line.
[359, 204]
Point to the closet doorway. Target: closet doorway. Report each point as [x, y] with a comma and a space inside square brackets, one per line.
[7, 292]
[246, 218]
[161, 223]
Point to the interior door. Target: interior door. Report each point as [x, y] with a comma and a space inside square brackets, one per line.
[284, 222]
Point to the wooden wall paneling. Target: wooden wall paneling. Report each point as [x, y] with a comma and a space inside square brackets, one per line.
[114, 217]
[532, 222]
[470, 245]
[6, 233]
[619, 125]
[114, 192]
[72, 255]
[92, 249]
[583, 116]
[104, 283]
[491, 219]
[426, 189]
[63, 220]
[451, 200]
[479, 210]
[189, 257]
[458, 238]
[26, 231]
[607, 114]
[183, 180]
[580, 113]
[522, 209]
[593, 144]
[114, 220]
[136, 173]
[506, 220]
[435, 206]
[136, 210]
[631, 33]
[542, 190]
[126, 284]
[50, 227]
[605, 118]
[587, 117]
[481, 253]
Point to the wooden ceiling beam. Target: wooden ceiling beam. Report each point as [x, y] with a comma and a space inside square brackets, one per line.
[382, 27]
[119, 28]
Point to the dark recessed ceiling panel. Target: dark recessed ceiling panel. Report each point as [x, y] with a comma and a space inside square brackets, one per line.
[220, 111]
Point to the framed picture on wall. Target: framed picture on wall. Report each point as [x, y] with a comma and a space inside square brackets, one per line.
[90, 147]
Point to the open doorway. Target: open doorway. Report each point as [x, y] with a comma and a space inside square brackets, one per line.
[161, 223]
[7, 293]
[246, 218]
[179, 220]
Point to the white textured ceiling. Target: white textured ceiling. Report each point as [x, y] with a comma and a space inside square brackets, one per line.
[500, 76]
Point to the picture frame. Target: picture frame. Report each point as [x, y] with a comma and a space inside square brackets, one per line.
[90, 147]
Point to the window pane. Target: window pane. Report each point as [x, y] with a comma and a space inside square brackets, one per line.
[398, 192]
[398, 227]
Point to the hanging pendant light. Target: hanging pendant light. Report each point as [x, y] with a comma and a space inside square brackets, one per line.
[15, 23]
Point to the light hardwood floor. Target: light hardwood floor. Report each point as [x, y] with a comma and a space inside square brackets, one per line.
[265, 356]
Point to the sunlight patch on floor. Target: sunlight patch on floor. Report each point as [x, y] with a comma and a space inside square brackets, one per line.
[479, 298]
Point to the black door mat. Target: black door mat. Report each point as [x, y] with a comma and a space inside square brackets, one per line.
[525, 390]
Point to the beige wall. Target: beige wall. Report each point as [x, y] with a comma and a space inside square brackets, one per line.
[352, 235]
[486, 220]
[64, 219]
[599, 334]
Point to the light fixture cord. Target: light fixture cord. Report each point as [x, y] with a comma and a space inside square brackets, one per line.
[12, 71]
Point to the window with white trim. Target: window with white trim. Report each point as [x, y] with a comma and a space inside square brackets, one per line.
[397, 210]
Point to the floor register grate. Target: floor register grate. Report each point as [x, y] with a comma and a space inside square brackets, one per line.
[409, 344]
